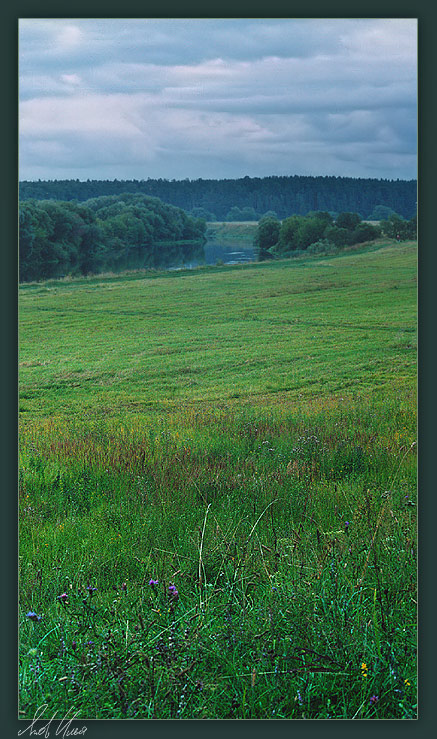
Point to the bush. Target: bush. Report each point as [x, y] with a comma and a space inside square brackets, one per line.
[398, 228]
[365, 232]
[338, 236]
[348, 221]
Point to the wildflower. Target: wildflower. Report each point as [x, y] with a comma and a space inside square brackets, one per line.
[346, 526]
[63, 598]
[33, 616]
[153, 583]
[374, 699]
[90, 589]
[123, 586]
[298, 698]
[173, 592]
[364, 669]
[407, 683]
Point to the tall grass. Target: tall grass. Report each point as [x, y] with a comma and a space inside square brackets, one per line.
[249, 557]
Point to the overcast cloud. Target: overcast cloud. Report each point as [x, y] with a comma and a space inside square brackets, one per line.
[139, 98]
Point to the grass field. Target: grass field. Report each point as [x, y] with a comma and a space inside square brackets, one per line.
[218, 491]
[232, 231]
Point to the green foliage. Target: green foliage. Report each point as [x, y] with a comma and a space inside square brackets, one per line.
[288, 236]
[398, 228]
[114, 232]
[267, 235]
[298, 233]
[284, 196]
[203, 213]
[365, 232]
[348, 221]
[380, 213]
[338, 236]
[321, 215]
[246, 213]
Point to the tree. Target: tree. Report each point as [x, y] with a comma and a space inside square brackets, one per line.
[59, 238]
[365, 232]
[270, 214]
[347, 220]
[246, 213]
[398, 228]
[321, 215]
[338, 236]
[381, 213]
[203, 213]
[286, 196]
[288, 232]
[310, 229]
[266, 237]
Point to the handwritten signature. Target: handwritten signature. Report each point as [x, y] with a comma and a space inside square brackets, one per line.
[63, 729]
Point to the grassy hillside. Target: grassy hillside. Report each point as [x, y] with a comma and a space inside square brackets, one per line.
[245, 438]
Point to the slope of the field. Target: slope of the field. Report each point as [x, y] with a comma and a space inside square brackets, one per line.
[217, 492]
[273, 331]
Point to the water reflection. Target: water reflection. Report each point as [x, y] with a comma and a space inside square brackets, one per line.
[221, 252]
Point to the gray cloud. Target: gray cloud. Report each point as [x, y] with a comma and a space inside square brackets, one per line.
[206, 98]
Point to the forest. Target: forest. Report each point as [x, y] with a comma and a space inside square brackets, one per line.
[59, 238]
[247, 198]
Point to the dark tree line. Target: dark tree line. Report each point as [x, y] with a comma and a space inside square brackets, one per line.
[247, 198]
[59, 238]
[319, 232]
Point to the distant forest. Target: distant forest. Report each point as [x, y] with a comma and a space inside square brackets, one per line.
[248, 198]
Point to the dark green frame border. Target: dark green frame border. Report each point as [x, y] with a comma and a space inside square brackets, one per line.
[426, 14]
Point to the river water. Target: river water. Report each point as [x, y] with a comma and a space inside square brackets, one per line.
[219, 251]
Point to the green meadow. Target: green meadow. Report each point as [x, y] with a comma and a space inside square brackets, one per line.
[217, 499]
[229, 231]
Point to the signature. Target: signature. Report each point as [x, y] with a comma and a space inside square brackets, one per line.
[63, 729]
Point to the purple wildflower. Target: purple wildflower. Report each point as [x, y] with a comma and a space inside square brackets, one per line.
[346, 525]
[173, 592]
[90, 589]
[153, 583]
[374, 699]
[33, 616]
[63, 598]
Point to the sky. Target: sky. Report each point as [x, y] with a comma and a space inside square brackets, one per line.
[217, 98]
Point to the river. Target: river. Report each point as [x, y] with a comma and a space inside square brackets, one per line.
[220, 251]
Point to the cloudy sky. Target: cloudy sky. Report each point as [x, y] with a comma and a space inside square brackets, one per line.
[139, 98]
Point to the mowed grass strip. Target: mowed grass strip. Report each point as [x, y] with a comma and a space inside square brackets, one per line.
[316, 326]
